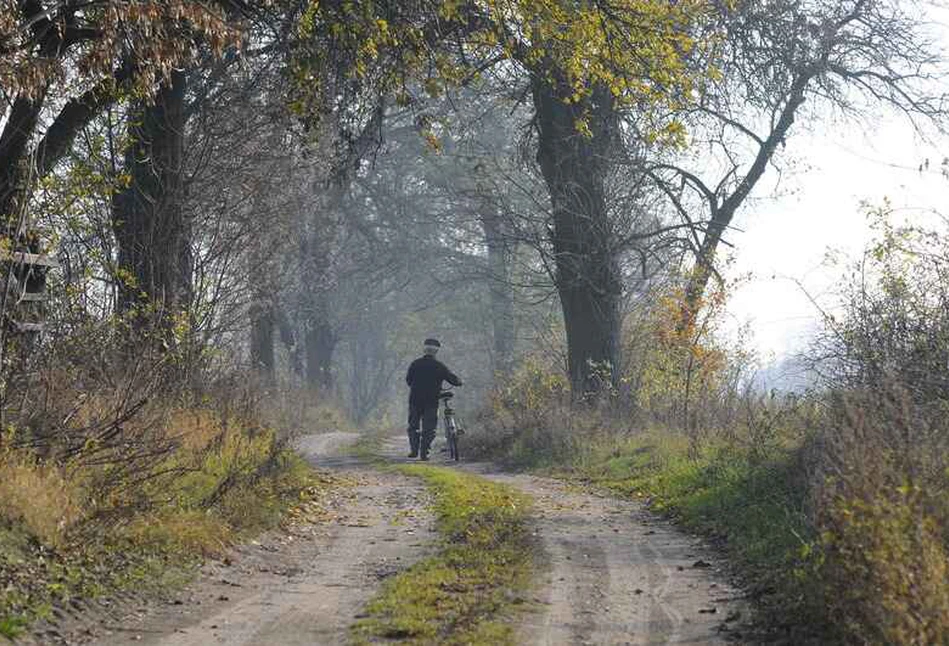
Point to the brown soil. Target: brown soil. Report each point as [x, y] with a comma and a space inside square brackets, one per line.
[618, 575]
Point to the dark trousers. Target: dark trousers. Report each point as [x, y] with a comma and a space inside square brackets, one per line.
[427, 416]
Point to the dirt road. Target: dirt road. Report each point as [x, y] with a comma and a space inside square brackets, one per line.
[613, 573]
[617, 575]
[296, 588]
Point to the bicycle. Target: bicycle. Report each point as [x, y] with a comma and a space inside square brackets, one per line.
[452, 431]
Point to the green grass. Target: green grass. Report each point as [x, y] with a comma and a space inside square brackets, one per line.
[468, 591]
[12, 626]
[755, 504]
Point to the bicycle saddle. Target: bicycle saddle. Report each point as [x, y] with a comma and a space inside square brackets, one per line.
[446, 395]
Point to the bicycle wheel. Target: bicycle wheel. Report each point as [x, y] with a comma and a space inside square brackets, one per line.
[453, 446]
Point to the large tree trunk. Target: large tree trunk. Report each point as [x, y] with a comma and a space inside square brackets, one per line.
[151, 227]
[501, 292]
[575, 166]
[14, 170]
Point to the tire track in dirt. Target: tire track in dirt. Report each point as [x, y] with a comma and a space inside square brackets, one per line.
[615, 574]
[618, 575]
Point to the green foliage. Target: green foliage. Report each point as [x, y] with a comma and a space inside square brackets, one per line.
[463, 594]
[644, 53]
[12, 626]
[881, 484]
[754, 505]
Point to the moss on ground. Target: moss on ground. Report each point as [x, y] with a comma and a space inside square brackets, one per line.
[468, 592]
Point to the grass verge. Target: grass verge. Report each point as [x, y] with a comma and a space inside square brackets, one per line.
[224, 486]
[757, 505]
[466, 593]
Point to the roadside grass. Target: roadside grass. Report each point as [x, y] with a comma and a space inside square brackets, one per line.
[62, 540]
[467, 592]
[753, 505]
[750, 501]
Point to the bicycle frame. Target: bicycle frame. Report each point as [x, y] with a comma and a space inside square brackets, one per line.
[449, 413]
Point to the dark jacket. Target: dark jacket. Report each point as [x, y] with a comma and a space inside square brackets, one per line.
[425, 377]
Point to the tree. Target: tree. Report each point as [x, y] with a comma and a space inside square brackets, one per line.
[102, 47]
[151, 226]
[584, 62]
[783, 62]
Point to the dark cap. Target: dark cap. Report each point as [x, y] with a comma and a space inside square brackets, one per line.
[432, 342]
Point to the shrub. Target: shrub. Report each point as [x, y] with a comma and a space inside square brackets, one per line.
[885, 569]
[835, 503]
[527, 422]
[112, 463]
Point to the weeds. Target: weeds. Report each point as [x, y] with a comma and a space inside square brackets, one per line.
[463, 594]
[832, 504]
[111, 475]
[60, 541]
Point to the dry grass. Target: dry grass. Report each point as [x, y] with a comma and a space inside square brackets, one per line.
[881, 496]
[176, 531]
[885, 570]
[97, 492]
[834, 506]
[39, 497]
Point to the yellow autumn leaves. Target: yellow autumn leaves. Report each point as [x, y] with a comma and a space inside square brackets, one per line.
[649, 54]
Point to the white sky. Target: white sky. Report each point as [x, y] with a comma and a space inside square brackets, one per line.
[786, 233]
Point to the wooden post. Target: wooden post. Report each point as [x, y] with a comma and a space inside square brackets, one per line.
[25, 275]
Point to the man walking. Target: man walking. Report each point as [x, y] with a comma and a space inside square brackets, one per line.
[425, 377]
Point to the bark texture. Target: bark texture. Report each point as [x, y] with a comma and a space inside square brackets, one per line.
[575, 166]
[151, 227]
